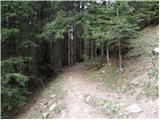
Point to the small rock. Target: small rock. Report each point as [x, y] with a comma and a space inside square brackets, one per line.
[45, 103]
[88, 99]
[135, 82]
[123, 114]
[63, 114]
[52, 96]
[156, 50]
[119, 97]
[122, 104]
[45, 106]
[52, 107]
[80, 96]
[134, 108]
[105, 106]
[70, 78]
[59, 102]
[40, 103]
[45, 115]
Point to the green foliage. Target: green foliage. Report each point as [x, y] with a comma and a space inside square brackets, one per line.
[153, 73]
[150, 90]
[13, 83]
[55, 30]
[18, 22]
[8, 33]
[144, 13]
[96, 63]
[111, 80]
[108, 107]
[14, 90]
[14, 65]
[116, 19]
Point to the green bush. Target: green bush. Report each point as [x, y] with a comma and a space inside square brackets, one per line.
[96, 63]
[14, 65]
[13, 84]
[14, 90]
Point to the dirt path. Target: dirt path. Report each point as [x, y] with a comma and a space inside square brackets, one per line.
[72, 95]
[77, 86]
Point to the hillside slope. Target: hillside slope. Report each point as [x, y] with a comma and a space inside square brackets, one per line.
[104, 93]
[139, 78]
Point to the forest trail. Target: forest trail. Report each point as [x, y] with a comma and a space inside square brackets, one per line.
[73, 95]
[78, 87]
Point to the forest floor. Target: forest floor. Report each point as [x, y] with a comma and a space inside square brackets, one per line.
[81, 92]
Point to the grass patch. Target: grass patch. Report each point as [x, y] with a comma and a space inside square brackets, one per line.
[96, 63]
[153, 73]
[109, 76]
[143, 46]
[150, 91]
[107, 107]
[111, 79]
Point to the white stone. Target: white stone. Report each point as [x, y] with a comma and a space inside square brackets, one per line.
[40, 103]
[45, 115]
[123, 114]
[52, 96]
[135, 82]
[156, 50]
[88, 98]
[80, 96]
[134, 108]
[52, 107]
[45, 106]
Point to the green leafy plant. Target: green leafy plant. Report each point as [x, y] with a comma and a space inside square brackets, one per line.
[14, 91]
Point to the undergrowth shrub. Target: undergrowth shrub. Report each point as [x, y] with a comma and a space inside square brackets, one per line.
[14, 84]
[15, 65]
[110, 80]
[95, 63]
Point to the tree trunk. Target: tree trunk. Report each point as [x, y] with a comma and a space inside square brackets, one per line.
[95, 48]
[120, 57]
[102, 52]
[85, 50]
[69, 50]
[107, 53]
[92, 50]
[72, 46]
[80, 48]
